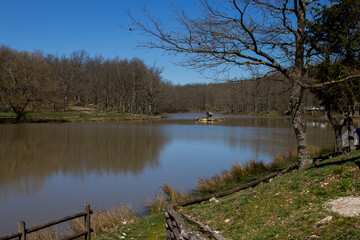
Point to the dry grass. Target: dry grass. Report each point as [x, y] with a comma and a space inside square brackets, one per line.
[290, 207]
[51, 233]
[166, 196]
[238, 173]
[226, 179]
[106, 220]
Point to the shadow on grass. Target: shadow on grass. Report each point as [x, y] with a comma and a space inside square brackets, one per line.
[317, 165]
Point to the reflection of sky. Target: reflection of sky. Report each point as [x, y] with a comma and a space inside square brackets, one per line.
[236, 143]
[184, 152]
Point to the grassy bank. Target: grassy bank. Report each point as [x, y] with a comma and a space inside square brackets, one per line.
[151, 227]
[76, 116]
[289, 207]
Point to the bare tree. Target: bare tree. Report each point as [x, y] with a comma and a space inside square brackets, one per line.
[152, 86]
[267, 34]
[24, 83]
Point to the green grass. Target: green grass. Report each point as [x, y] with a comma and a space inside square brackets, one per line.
[7, 114]
[149, 227]
[289, 207]
[77, 116]
[252, 170]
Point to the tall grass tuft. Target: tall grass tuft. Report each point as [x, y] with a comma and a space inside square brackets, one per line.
[166, 196]
[228, 179]
[51, 233]
[252, 169]
[106, 220]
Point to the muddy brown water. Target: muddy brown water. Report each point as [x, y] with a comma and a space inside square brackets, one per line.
[48, 171]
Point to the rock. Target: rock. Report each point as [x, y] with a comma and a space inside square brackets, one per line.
[324, 220]
[345, 206]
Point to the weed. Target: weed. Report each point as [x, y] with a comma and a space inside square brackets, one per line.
[338, 170]
[347, 183]
[51, 233]
[166, 196]
[106, 220]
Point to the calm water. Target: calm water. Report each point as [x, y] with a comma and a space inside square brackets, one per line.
[49, 171]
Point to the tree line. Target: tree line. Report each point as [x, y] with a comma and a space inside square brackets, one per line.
[299, 47]
[31, 81]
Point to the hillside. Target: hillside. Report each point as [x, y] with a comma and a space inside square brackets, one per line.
[295, 205]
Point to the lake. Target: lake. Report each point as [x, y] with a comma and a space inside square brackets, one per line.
[48, 171]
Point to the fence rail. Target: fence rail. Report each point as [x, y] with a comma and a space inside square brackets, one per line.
[21, 235]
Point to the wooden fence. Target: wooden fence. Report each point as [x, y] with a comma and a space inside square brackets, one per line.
[21, 235]
[175, 225]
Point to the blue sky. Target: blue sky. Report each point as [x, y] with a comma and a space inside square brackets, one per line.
[63, 26]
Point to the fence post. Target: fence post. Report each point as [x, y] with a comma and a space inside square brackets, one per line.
[87, 221]
[21, 229]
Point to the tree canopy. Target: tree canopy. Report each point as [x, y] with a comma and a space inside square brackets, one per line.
[266, 34]
[334, 38]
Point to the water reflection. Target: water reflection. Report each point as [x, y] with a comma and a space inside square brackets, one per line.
[32, 153]
[107, 163]
[261, 137]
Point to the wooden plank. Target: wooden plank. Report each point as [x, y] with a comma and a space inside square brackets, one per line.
[11, 236]
[204, 229]
[184, 231]
[22, 230]
[75, 236]
[87, 221]
[49, 224]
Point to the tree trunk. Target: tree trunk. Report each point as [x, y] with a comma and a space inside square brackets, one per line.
[296, 96]
[304, 159]
[351, 133]
[337, 125]
[339, 146]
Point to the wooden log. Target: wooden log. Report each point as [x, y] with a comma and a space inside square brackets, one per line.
[168, 235]
[204, 229]
[22, 230]
[176, 233]
[87, 221]
[49, 224]
[184, 231]
[83, 233]
[169, 224]
[11, 236]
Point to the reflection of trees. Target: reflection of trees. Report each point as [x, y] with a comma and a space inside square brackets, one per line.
[268, 135]
[29, 154]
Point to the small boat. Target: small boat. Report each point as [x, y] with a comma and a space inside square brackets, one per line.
[209, 119]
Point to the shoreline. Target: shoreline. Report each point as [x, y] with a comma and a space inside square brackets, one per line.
[329, 178]
[66, 117]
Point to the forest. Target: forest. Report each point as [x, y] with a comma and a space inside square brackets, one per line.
[306, 52]
[31, 81]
